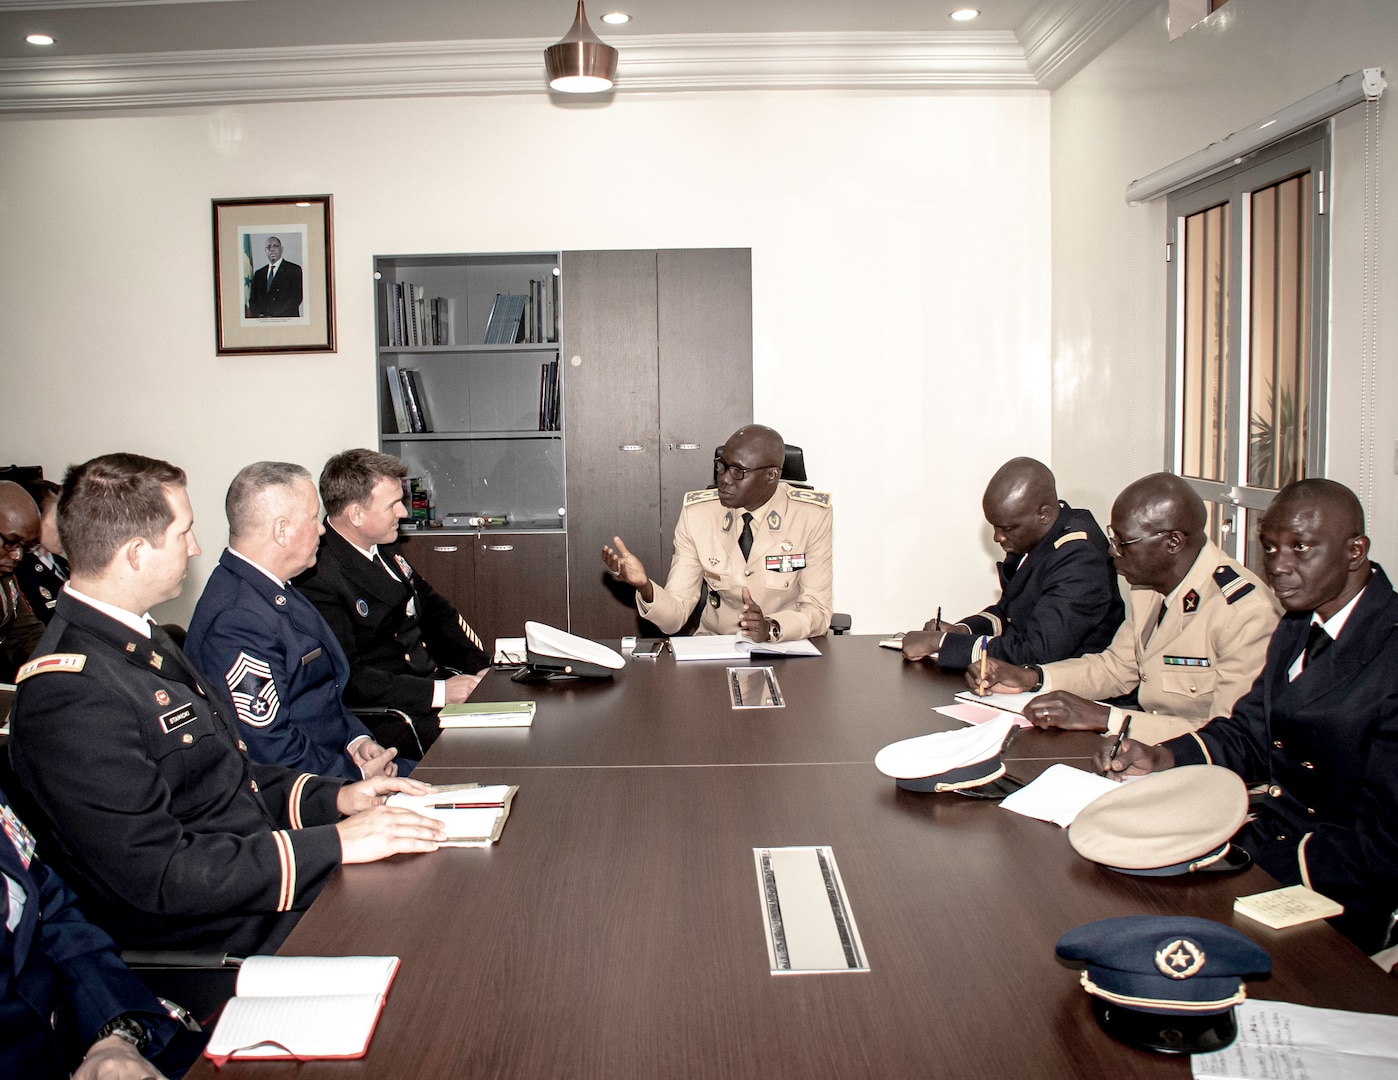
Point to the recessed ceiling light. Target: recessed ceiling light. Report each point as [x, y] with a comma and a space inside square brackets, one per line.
[616, 18]
[39, 39]
[965, 14]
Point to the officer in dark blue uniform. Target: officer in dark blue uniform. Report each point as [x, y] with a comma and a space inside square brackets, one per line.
[1320, 726]
[67, 1002]
[283, 667]
[1058, 591]
[43, 569]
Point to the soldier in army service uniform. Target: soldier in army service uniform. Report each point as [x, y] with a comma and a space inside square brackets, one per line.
[762, 547]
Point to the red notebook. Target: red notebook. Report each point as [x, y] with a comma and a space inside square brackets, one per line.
[303, 1007]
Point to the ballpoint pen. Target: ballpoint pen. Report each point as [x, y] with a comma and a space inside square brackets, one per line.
[1116, 746]
[466, 806]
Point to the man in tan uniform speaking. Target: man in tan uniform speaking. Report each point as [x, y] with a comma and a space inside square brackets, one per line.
[1196, 639]
[762, 546]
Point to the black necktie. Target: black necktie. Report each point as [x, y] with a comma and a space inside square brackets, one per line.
[745, 537]
[1317, 641]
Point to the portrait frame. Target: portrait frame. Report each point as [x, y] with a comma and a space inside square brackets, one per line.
[255, 312]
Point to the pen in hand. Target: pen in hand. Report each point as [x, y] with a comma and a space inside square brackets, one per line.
[1116, 746]
[939, 617]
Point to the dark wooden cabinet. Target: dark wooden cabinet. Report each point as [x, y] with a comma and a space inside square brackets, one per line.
[655, 362]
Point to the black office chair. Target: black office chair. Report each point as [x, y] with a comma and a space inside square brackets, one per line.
[794, 473]
[392, 728]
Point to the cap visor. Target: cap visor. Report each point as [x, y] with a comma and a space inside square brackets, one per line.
[1166, 1034]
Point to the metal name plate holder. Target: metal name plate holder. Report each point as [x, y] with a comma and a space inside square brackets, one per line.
[754, 688]
[810, 928]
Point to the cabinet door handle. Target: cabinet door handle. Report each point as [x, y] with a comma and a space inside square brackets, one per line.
[687, 446]
[499, 547]
[445, 550]
[631, 448]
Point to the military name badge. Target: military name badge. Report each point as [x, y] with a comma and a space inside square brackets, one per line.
[177, 718]
[310, 656]
[362, 606]
[21, 837]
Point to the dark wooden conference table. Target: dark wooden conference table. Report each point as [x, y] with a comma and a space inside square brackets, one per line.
[615, 931]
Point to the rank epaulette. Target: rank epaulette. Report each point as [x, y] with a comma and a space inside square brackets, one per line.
[805, 495]
[1232, 584]
[1066, 537]
[51, 662]
[707, 495]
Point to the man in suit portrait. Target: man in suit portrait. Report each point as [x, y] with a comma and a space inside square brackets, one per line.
[276, 287]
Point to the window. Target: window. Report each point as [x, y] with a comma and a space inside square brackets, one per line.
[1247, 383]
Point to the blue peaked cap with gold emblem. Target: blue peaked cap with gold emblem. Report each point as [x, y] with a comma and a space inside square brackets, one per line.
[1171, 965]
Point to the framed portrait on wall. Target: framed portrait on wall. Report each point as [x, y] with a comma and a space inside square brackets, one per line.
[274, 275]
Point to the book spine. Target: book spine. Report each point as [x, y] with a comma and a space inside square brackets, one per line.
[395, 395]
[420, 400]
[414, 415]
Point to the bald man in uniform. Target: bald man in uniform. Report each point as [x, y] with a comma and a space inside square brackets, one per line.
[1058, 592]
[1195, 642]
[1320, 727]
[762, 546]
[20, 631]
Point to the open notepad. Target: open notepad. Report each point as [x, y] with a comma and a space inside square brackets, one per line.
[474, 815]
[303, 1007]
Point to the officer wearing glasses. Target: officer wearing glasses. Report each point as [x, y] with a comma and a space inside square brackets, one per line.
[1196, 639]
[19, 528]
[762, 546]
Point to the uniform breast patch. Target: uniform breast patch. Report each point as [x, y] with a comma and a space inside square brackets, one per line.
[253, 690]
[1186, 661]
[786, 564]
[52, 662]
[177, 718]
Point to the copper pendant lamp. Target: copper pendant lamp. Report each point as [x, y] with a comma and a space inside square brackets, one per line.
[581, 63]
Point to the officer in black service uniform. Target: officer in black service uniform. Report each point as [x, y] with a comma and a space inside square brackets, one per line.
[146, 801]
[408, 648]
[19, 629]
[43, 570]
[1320, 726]
[1058, 591]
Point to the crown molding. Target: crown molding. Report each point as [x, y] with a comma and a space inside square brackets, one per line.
[1060, 37]
[1057, 39]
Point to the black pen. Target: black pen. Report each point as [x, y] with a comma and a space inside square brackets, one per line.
[466, 806]
[939, 618]
[1116, 746]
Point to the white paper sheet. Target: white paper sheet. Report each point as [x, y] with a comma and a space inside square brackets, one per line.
[1059, 794]
[736, 647]
[1014, 703]
[1293, 1042]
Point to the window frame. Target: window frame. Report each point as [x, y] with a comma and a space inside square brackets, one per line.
[1236, 500]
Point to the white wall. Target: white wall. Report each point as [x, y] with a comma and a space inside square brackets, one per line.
[1144, 103]
[900, 278]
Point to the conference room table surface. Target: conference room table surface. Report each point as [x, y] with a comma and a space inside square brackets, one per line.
[616, 929]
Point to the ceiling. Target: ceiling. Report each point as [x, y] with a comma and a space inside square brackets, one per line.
[134, 53]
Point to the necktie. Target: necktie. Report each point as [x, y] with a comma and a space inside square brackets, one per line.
[1150, 627]
[1317, 641]
[745, 538]
[271, 273]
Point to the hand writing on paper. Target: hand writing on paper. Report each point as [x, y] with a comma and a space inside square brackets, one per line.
[1060, 709]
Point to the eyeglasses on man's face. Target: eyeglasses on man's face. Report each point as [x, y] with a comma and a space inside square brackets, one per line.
[1120, 545]
[13, 543]
[738, 472]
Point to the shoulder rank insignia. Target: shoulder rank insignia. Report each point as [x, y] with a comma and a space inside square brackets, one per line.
[52, 662]
[815, 498]
[1232, 584]
[1191, 602]
[1067, 537]
[707, 495]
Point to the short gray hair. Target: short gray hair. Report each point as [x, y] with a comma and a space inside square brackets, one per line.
[242, 504]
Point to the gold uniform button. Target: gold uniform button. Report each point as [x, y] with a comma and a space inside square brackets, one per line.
[242, 746]
[407, 659]
[1307, 765]
[1277, 743]
[1144, 677]
[187, 738]
[253, 784]
[1310, 810]
[1274, 791]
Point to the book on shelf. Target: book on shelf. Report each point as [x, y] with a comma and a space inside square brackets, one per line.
[419, 398]
[303, 1007]
[506, 323]
[395, 394]
[410, 403]
[548, 396]
[414, 318]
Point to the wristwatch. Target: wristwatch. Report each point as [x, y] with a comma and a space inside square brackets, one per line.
[774, 629]
[127, 1028]
[1037, 670]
